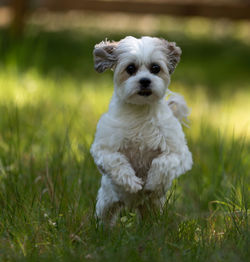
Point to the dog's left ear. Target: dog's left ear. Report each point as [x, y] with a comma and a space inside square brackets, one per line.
[104, 55]
[173, 53]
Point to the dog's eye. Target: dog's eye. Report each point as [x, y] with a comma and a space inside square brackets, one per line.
[131, 69]
[155, 69]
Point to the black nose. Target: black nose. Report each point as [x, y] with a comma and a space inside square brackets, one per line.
[145, 82]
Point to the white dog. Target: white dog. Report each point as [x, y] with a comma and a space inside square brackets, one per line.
[139, 145]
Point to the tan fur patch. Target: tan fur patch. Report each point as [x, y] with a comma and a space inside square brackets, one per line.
[123, 76]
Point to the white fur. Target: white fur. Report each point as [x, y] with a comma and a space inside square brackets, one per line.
[139, 145]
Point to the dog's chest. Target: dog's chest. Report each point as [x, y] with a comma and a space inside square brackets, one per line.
[141, 144]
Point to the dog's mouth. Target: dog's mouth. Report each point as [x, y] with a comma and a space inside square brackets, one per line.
[146, 92]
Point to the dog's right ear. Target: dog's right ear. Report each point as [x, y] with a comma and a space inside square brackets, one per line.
[104, 55]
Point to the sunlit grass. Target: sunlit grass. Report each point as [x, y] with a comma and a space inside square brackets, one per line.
[229, 115]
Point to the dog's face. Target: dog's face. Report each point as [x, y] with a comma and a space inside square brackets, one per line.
[142, 67]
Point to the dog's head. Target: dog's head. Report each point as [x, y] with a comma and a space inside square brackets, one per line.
[142, 67]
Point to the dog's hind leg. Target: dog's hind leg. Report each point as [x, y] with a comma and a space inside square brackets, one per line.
[108, 205]
[108, 214]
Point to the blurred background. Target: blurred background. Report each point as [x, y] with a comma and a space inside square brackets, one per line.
[51, 99]
[53, 40]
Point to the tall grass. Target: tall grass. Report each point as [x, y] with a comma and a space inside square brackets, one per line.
[50, 102]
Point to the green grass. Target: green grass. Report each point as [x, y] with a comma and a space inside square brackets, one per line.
[50, 102]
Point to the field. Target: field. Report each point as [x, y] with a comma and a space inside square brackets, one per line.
[50, 102]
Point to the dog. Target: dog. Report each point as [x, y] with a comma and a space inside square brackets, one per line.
[139, 145]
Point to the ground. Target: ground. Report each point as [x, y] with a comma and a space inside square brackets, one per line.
[50, 101]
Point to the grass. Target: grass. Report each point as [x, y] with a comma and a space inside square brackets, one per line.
[50, 102]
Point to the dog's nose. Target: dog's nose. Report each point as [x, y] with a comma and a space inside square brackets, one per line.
[145, 90]
[145, 82]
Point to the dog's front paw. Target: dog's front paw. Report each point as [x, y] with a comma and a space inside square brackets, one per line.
[128, 181]
[133, 184]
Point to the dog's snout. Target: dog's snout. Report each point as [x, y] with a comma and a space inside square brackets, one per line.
[145, 82]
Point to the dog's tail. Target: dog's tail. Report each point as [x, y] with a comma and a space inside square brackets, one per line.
[179, 107]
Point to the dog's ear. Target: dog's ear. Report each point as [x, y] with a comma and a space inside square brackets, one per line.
[173, 53]
[104, 56]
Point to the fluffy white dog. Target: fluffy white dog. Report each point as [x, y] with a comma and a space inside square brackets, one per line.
[139, 145]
